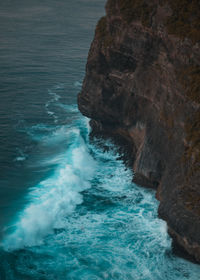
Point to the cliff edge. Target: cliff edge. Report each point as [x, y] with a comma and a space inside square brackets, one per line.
[143, 84]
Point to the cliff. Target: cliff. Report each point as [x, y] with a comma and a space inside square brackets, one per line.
[142, 83]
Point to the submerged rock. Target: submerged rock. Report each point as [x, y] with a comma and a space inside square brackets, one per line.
[142, 83]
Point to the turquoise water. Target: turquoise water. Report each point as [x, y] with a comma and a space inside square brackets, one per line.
[69, 209]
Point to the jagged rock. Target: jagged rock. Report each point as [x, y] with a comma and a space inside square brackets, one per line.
[142, 83]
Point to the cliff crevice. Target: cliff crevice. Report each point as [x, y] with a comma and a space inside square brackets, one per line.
[143, 84]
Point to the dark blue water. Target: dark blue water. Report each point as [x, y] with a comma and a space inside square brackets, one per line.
[68, 208]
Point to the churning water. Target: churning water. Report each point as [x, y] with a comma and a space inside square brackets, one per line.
[69, 209]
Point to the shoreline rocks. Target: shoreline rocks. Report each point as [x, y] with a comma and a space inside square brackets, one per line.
[135, 90]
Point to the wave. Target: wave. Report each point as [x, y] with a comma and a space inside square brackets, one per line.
[88, 220]
[54, 198]
[69, 108]
[78, 84]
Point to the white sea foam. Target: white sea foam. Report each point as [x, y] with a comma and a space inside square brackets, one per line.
[69, 108]
[54, 198]
[78, 84]
[55, 96]
[20, 158]
[59, 86]
[53, 101]
[21, 155]
[114, 234]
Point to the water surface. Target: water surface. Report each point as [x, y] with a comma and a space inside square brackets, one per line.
[68, 207]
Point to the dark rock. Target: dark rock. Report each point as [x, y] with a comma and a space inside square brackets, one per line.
[142, 85]
[143, 181]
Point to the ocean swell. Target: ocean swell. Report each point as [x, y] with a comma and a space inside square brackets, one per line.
[54, 198]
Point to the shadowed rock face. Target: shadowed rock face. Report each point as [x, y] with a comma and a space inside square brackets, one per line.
[135, 88]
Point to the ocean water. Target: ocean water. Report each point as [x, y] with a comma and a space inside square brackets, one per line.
[68, 207]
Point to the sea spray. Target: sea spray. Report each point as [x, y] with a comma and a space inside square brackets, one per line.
[104, 228]
[54, 198]
[89, 221]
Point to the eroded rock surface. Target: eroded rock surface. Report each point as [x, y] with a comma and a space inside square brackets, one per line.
[142, 83]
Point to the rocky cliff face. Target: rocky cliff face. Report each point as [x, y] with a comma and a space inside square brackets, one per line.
[142, 83]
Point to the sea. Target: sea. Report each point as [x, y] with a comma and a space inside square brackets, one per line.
[68, 206]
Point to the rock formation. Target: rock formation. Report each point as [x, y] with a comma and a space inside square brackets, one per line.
[143, 84]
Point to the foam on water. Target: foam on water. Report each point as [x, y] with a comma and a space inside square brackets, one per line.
[78, 84]
[21, 155]
[54, 198]
[86, 219]
[89, 221]
[69, 108]
[78, 214]
[54, 98]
